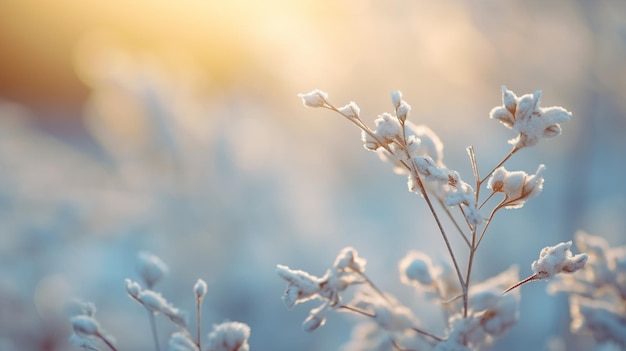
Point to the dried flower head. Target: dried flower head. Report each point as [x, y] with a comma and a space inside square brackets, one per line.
[150, 268]
[314, 99]
[229, 336]
[557, 259]
[524, 116]
[517, 186]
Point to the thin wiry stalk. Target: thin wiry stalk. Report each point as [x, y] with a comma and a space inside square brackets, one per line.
[529, 279]
[373, 286]
[198, 322]
[453, 220]
[506, 158]
[107, 342]
[154, 331]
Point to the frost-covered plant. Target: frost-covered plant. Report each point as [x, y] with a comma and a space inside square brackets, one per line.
[597, 296]
[227, 336]
[477, 313]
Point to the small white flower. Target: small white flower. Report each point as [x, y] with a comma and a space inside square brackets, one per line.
[181, 341]
[396, 98]
[518, 186]
[557, 259]
[351, 110]
[316, 318]
[532, 122]
[416, 267]
[349, 258]
[156, 303]
[229, 336]
[85, 325]
[151, 268]
[301, 286]
[314, 99]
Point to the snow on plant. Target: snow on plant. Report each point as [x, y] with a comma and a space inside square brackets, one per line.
[478, 312]
[227, 336]
[597, 296]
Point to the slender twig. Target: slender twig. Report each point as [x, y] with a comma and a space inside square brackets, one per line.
[506, 158]
[373, 286]
[357, 310]
[106, 341]
[472, 156]
[453, 220]
[529, 279]
[488, 222]
[154, 330]
[198, 321]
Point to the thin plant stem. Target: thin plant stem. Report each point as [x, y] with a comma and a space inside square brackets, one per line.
[506, 158]
[529, 279]
[154, 330]
[373, 286]
[470, 263]
[198, 321]
[373, 315]
[453, 220]
[493, 212]
[106, 341]
[357, 310]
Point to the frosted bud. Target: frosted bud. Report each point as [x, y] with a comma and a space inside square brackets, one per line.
[85, 325]
[133, 288]
[509, 100]
[181, 341]
[557, 259]
[314, 99]
[316, 318]
[388, 127]
[402, 111]
[396, 98]
[301, 286]
[83, 341]
[517, 186]
[349, 258]
[229, 336]
[369, 142]
[416, 267]
[200, 289]
[351, 110]
[526, 105]
[150, 268]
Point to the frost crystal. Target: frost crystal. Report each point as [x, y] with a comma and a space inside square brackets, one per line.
[557, 259]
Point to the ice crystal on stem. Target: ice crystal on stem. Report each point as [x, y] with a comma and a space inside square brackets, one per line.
[557, 259]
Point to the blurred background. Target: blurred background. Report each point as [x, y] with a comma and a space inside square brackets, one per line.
[174, 128]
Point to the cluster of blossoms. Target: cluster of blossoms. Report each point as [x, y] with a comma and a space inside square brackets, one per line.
[227, 336]
[597, 296]
[477, 313]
